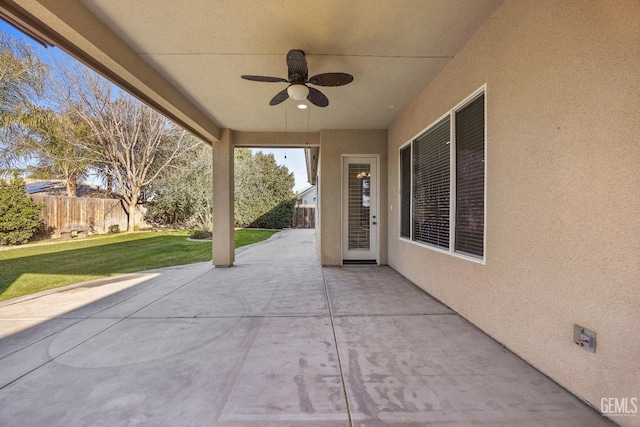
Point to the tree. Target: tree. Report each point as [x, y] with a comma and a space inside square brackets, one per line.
[131, 143]
[87, 124]
[34, 135]
[19, 217]
[54, 151]
[22, 77]
[263, 194]
[183, 193]
[261, 185]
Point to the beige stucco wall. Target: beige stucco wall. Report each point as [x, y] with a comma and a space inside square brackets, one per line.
[563, 189]
[333, 145]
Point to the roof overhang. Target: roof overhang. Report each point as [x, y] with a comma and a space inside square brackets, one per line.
[185, 58]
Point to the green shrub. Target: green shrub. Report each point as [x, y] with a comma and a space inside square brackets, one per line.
[278, 217]
[19, 216]
[200, 234]
[114, 229]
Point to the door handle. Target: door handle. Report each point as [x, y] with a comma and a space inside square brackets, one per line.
[374, 223]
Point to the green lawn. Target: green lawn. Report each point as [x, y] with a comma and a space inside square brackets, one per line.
[46, 266]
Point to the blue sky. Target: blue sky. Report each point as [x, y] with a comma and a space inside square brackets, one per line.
[293, 159]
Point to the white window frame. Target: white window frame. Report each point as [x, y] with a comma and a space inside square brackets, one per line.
[453, 184]
[408, 144]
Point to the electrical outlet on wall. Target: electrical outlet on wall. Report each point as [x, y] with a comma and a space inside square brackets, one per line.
[584, 338]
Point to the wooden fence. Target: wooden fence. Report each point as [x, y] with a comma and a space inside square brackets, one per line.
[59, 212]
[304, 217]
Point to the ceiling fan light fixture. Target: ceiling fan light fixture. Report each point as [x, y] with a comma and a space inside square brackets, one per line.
[298, 92]
[303, 106]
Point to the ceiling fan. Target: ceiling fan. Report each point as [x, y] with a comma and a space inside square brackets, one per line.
[298, 79]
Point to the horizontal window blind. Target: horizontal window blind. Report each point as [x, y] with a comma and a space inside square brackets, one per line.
[359, 205]
[431, 186]
[405, 192]
[469, 229]
[427, 182]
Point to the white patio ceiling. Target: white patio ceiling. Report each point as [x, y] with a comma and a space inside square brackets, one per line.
[393, 48]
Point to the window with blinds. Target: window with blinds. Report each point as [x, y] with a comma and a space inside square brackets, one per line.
[405, 192]
[469, 121]
[359, 204]
[431, 185]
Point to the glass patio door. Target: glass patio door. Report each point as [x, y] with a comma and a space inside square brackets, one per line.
[359, 217]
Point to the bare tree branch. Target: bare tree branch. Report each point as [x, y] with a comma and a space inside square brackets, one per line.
[127, 139]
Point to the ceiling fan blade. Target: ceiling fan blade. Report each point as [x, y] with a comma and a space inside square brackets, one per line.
[280, 97]
[297, 64]
[331, 79]
[317, 98]
[265, 79]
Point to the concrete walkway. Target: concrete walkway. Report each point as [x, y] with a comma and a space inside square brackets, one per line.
[274, 341]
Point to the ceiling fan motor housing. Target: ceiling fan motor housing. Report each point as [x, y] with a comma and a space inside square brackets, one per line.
[297, 65]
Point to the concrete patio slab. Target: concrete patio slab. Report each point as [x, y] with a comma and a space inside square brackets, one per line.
[276, 340]
[74, 302]
[282, 291]
[401, 370]
[18, 333]
[368, 290]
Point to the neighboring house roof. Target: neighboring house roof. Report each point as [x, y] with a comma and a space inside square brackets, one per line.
[307, 190]
[58, 188]
[40, 186]
[307, 196]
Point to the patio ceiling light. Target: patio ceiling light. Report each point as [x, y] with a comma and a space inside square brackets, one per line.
[298, 92]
